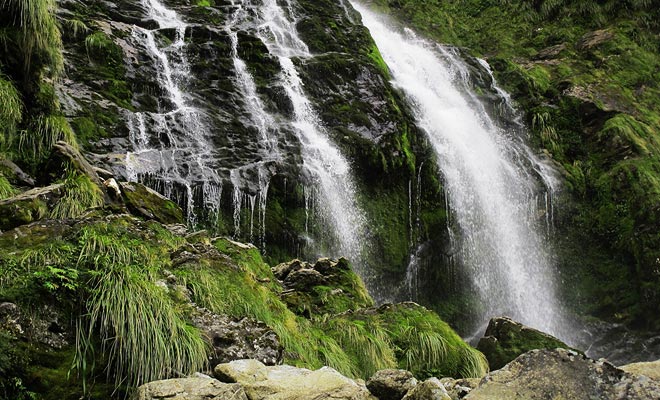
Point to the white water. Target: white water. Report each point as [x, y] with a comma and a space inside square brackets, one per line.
[172, 151]
[333, 183]
[491, 195]
[266, 125]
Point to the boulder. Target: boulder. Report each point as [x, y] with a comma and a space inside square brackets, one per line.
[304, 279]
[506, 339]
[459, 388]
[282, 271]
[563, 374]
[391, 384]
[29, 206]
[650, 369]
[237, 339]
[190, 389]
[145, 202]
[284, 382]
[430, 389]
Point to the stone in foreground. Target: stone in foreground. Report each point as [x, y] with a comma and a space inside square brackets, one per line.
[190, 389]
[289, 383]
[563, 374]
[649, 369]
[391, 384]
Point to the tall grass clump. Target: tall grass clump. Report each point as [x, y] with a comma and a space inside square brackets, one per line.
[11, 109]
[138, 327]
[80, 195]
[35, 144]
[6, 189]
[428, 346]
[140, 330]
[35, 33]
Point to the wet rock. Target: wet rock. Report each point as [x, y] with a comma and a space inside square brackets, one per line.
[145, 202]
[391, 384]
[237, 339]
[650, 369]
[430, 389]
[506, 339]
[190, 389]
[286, 382]
[565, 374]
[29, 206]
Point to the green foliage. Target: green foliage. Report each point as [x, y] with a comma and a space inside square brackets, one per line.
[6, 189]
[101, 47]
[36, 33]
[11, 109]
[35, 144]
[141, 331]
[80, 194]
[54, 279]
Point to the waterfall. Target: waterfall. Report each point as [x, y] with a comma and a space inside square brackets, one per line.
[490, 179]
[171, 149]
[333, 185]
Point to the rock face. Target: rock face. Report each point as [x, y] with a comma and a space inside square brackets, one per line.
[563, 374]
[391, 384]
[286, 382]
[190, 389]
[236, 339]
[506, 339]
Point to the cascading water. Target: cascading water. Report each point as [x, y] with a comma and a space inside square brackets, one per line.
[172, 152]
[329, 170]
[265, 124]
[491, 195]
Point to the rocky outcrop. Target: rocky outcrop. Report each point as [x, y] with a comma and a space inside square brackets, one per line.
[237, 339]
[561, 373]
[391, 384]
[506, 339]
[327, 286]
[286, 382]
[190, 389]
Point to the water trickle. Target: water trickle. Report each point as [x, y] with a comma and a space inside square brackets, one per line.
[171, 149]
[330, 172]
[489, 175]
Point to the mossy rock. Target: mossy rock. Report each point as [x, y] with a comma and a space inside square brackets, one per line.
[28, 207]
[506, 339]
[150, 204]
